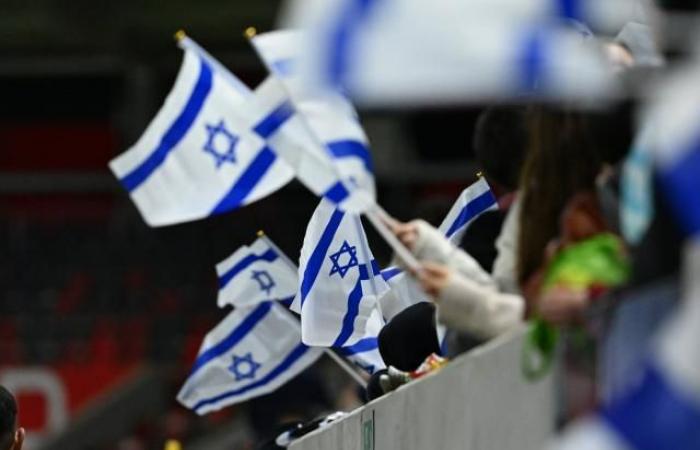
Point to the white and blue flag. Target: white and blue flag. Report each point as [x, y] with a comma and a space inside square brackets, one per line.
[364, 352]
[474, 200]
[413, 52]
[205, 152]
[336, 164]
[661, 409]
[256, 273]
[339, 280]
[252, 352]
[675, 144]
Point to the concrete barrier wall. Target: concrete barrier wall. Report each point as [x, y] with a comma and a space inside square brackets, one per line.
[479, 401]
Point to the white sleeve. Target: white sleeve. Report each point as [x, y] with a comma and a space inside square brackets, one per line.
[504, 270]
[467, 306]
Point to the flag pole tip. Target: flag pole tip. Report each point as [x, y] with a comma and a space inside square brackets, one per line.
[261, 233]
[172, 444]
[250, 32]
[180, 35]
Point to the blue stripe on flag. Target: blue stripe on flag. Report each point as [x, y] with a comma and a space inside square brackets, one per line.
[342, 37]
[288, 361]
[390, 272]
[532, 60]
[175, 133]
[471, 210]
[681, 185]
[287, 302]
[247, 181]
[233, 338]
[337, 193]
[319, 254]
[361, 346]
[655, 415]
[284, 67]
[351, 149]
[569, 9]
[353, 310]
[269, 256]
[270, 124]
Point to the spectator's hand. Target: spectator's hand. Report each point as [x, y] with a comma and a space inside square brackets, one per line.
[407, 233]
[433, 278]
[561, 305]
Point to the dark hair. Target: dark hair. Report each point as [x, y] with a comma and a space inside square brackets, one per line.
[562, 160]
[500, 142]
[8, 418]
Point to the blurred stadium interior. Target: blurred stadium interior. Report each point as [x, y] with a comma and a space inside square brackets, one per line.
[88, 290]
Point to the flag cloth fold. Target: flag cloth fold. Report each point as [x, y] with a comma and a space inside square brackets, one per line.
[337, 164]
[252, 352]
[203, 153]
[339, 280]
[255, 273]
[364, 352]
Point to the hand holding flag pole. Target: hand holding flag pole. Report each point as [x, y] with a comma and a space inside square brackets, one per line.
[347, 367]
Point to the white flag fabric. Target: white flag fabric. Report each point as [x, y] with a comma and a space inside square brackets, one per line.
[412, 52]
[675, 144]
[252, 352]
[256, 273]
[339, 280]
[474, 200]
[337, 164]
[661, 409]
[205, 152]
[364, 353]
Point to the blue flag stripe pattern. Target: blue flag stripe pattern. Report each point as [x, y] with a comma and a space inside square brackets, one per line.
[268, 126]
[297, 353]
[471, 210]
[353, 306]
[247, 182]
[655, 415]
[361, 346]
[337, 193]
[351, 149]
[319, 253]
[255, 316]
[677, 180]
[270, 255]
[175, 133]
[341, 39]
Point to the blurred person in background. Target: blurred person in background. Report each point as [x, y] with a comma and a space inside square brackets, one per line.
[11, 437]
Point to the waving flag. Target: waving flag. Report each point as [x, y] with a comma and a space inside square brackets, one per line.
[255, 274]
[475, 200]
[252, 352]
[412, 52]
[337, 164]
[205, 151]
[365, 351]
[339, 279]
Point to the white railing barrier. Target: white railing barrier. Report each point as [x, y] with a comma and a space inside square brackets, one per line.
[479, 401]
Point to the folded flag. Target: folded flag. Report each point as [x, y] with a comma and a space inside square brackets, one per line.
[256, 273]
[339, 279]
[336, 164]
[408, 53]
[475, 200]
[252, 352]
[204, 153]
[365, 351]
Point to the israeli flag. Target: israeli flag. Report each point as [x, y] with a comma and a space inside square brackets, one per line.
[256, 273]
[474, 200]
[661, 409]
[252, 352]
[205, 152]
[339, 279]
[364, 353]
[337, 165]
[675, 117]
[405, 53]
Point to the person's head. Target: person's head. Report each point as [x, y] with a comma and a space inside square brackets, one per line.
[11, 438]
[500, 141]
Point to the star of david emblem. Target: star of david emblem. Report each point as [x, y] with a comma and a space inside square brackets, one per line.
[244, 367]
[265, 281]
[220, 143]
[344, 259]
